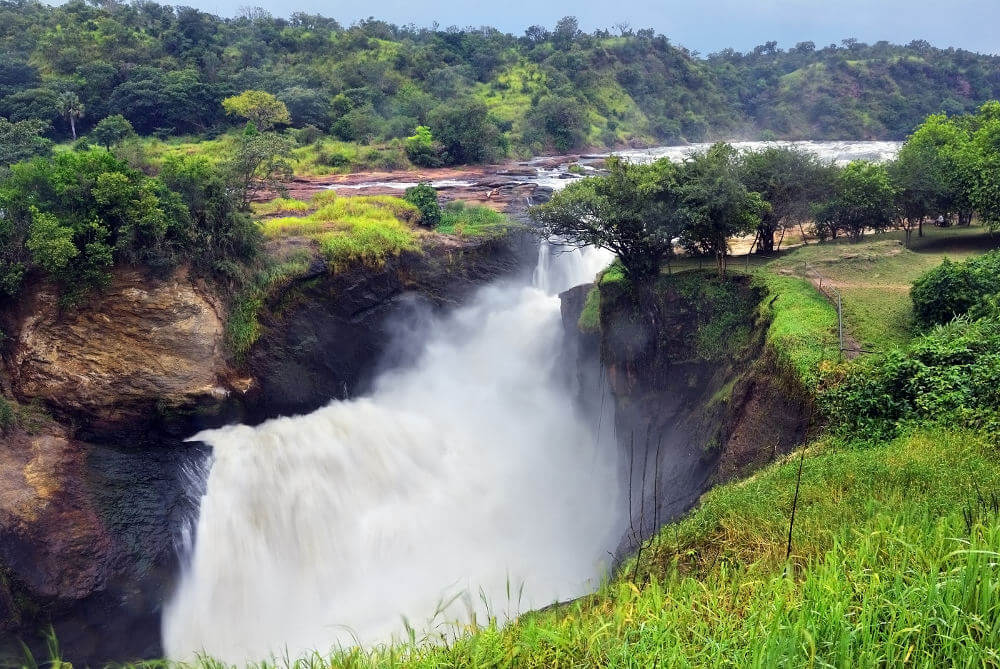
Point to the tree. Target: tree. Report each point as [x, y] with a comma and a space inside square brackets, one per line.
[563, 121]
[70, 108]
[466, 131]
[714, 203]
[425, 198]
[306, 106]
[864, 200]
[791, 181]
[50, 243]
[421, 148]
[259, 107]
[258, 163]
[21, 140]
[632, 211]
[112, 130]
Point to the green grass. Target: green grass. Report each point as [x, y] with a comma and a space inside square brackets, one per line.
[590, 316]
[280, 205]
[874, 276]
[803, 328]
[243, 327]
[367, 229]
[472, 221]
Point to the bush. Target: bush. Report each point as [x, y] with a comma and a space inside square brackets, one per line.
[952, 289]
[424, 197]
[951, 374]
[421, 148]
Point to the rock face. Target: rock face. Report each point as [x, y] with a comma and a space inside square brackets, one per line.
[325, 336]
[87, 542]
[693, 408]
[140, 347]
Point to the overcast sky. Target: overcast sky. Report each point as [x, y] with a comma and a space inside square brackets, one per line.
[702, 25]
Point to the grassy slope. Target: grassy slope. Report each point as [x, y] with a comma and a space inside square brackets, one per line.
[874, 276]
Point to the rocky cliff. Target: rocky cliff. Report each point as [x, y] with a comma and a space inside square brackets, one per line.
[698, 397]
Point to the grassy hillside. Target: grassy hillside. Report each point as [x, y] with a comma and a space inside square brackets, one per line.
[358, 91]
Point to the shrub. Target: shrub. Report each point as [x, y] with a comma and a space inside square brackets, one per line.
[951, 374]
[425, 198]
[952, 289]
[421, 148]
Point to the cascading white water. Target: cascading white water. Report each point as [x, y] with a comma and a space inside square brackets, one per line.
[465, 485]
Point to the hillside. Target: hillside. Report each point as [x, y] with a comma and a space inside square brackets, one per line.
[167, 69]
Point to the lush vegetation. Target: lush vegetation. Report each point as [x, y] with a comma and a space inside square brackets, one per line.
[953, 289]
[455, 95]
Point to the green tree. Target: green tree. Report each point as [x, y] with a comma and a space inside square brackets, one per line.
[70, 108]
[425, 198]
[632, 211]
[51, 244]
[791, 181]
[864, 200]
[467, 132]
[259, 162]
[563, 121]
[259, 107]
[421, 148]
[715, 204]
[111, 130]
[21, 140]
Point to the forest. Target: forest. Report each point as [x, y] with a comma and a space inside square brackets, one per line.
[167, 69]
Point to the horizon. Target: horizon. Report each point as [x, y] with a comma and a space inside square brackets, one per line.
[705, 29]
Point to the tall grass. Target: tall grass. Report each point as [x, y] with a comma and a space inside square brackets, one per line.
[243, 327]
[474, 221]
[367, 229]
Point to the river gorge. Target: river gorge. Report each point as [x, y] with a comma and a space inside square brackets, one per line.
[409, 449]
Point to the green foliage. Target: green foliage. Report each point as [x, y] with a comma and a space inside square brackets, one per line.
[259, 107]
[590, 315]
[714, 203]
[791, 181]
[243, 327]
[8, 417]
[259, 162]
[950, 375]
[472, 221]
[22, 140]
[863, 200]
[74, 214]
[467, 132]
[633, 211]
[422, 150]
[952, 289]
[424, 197]
[803, 326]
[112, 130]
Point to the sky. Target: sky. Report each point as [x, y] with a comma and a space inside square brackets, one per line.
[702, 25]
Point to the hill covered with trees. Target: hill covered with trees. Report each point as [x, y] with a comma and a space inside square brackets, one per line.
[166, 70]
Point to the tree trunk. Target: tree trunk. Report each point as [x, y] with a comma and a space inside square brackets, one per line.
[765, 240]
[72, 126]
[920, 227]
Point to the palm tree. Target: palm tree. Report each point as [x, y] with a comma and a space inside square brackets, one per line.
[71, 109]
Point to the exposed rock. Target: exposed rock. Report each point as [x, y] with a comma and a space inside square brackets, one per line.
[51, 536]
[686, 418]
[142, 346]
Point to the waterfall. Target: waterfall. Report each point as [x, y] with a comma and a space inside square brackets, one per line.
[464, 486]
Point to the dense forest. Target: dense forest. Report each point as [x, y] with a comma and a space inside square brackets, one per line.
[166, 70]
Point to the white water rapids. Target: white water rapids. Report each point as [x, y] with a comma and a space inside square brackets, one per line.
[459, 481]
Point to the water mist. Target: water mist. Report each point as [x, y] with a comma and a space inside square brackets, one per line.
[466, 485]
